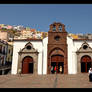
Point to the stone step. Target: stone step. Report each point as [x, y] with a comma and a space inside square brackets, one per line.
[49, 81]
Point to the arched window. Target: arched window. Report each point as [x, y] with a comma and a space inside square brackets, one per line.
[54, 28]
[60, 28]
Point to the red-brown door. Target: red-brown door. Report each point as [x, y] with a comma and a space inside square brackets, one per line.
[25, 67]
[85, 63]
[57, 59]
[25, 64]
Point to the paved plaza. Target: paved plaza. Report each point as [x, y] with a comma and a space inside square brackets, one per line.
[45, 81]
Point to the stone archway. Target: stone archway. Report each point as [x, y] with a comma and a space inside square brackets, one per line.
[85, 63]
[84, 56]
[27, 58]
[27, 65]
[57, 58]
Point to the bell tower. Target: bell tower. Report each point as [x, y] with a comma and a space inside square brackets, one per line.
[57, 46]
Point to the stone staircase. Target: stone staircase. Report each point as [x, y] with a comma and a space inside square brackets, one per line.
[62, 80]
[46, 81]
[73, 81]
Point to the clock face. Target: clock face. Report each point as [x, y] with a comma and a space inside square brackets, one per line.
[57, 38]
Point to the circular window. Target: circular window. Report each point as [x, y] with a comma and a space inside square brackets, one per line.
[85, 47]
[57, 38]
[28, 47]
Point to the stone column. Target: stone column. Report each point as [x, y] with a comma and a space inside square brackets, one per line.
[34, 66]
[65, 66]
[48, 65]
[35, 62]
[19, 62]
[78, 64]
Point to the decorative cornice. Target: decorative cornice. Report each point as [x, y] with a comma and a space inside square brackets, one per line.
[27, 40]
[82, 39]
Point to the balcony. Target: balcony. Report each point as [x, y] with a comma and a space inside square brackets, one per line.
[5, 67]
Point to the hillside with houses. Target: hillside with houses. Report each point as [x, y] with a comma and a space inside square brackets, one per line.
[20, 32]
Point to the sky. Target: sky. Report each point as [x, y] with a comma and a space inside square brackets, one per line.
[76, 17]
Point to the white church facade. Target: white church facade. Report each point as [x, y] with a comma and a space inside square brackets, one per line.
[37, 56]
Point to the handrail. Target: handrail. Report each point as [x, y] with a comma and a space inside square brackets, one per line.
[5, 67]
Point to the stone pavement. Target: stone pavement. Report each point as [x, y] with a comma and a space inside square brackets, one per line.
[45, 81]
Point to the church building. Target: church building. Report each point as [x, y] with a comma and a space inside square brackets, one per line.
[38, 56]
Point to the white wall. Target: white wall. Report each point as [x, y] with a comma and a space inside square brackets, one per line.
[19, 45]
[70, 48]
[72, 56]
[73, 46]
[45, 42]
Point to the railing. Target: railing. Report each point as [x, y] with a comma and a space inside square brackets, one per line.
[5, 67]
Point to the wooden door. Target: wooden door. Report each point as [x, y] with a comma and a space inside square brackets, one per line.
[25, 67]
[25, 64]
[57, 59]
[85, 63]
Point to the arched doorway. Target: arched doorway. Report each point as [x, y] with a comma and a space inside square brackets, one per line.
[27, 65]
[85, 63]
[57, 60]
